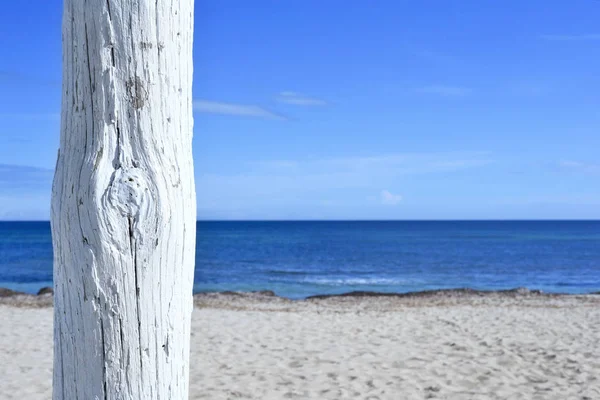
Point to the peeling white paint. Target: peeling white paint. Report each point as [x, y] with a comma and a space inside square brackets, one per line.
[124, 204]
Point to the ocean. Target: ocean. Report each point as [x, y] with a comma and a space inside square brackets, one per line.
[297, 259]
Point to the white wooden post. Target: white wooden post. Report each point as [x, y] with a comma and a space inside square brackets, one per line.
[123, 204]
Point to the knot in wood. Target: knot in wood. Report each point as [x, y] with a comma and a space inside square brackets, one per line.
[129, 192]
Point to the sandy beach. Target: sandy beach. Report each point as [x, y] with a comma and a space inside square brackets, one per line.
[435, 346]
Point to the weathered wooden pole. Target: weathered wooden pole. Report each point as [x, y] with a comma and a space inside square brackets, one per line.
[124, 206]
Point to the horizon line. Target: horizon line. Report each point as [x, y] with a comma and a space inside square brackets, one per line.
[374, 220]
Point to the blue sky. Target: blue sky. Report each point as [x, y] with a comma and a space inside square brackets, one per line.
[311, 109]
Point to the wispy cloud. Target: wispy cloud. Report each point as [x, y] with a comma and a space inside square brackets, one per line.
[11, 76]
[262, 182]
[400, 163]
[412, 163]
[443, 90]
[20, 177]
[277, 164]
[51, 116]
[299, 99]
[536, 200]
[437, 57]
[390, 199]
[572, 38]
[580, 166]
[529, 89]
[32, 207]
[24, 192]
[240, 110]
[385, 164]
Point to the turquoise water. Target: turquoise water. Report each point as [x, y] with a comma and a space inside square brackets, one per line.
[298, 259]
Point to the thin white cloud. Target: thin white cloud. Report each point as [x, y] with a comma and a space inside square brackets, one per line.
[443, 90]
[580, 166]
[571, 164]
[399, 164]
[24, 192]
[571, 199]
[437, 57]
[279, 186]
[241, 110]
[26, 79]
[413, 163]
[298, 99]
[572, 38]
[294, 178]
[529, 89]
[277, 164]
[20, 180]
[390, 199]
[30, 207]
[31, 116]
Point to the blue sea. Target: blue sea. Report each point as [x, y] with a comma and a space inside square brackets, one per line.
[299, 259]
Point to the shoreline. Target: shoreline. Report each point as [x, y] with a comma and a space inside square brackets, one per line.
[227, 299]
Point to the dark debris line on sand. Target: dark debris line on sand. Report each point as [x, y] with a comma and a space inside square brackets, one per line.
[9, 297]
[13, 293]
[44, 296]
[438, 293]
[4, 292]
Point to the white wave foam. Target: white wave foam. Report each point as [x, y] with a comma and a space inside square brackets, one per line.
[360, 281]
